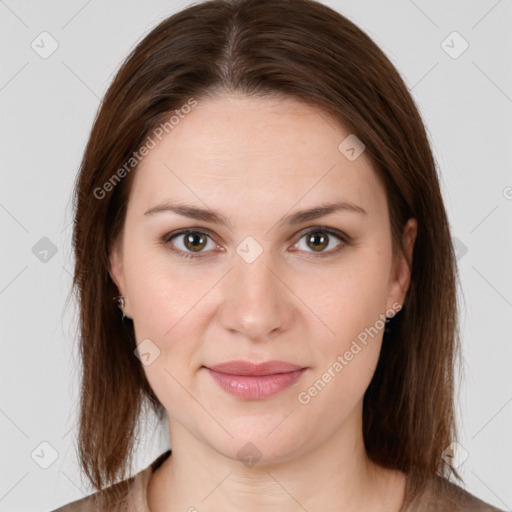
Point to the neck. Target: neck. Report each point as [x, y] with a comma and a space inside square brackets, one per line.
[335, 475]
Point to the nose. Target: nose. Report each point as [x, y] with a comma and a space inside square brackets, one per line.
[256, 303]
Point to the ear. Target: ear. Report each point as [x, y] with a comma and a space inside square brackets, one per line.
[400, 276]
[117, 273]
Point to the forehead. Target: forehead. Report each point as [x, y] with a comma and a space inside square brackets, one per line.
[268, 150]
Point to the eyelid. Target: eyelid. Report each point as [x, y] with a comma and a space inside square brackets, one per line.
[326, 229]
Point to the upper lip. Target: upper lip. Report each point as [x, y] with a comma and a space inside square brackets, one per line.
[256, 369]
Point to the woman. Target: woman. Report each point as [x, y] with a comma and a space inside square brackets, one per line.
[259, 197]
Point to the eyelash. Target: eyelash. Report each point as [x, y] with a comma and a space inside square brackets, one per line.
[343, 238]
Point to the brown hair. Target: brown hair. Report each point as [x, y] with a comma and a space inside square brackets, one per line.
[305, 50]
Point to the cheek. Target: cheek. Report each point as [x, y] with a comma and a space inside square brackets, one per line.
[355, 296]
[347, 359]
[354, 309]
[162, 303]
[161, 295]
[163, 309]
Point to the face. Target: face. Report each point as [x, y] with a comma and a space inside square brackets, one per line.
[252, 281]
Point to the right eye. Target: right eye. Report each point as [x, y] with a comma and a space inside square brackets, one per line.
[190, 241]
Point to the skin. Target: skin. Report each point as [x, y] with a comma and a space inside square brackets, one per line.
[256, 161]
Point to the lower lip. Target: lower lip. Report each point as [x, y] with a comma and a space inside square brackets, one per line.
[255, 387]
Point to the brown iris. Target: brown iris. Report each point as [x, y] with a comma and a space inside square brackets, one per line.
[193, 238]
[318, 238]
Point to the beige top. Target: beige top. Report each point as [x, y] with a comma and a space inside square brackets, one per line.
[440, 495]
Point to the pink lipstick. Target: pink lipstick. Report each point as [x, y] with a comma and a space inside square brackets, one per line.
[252, 381]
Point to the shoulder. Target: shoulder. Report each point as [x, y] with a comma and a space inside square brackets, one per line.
[130, 494]
[94, 503]
[441, 495]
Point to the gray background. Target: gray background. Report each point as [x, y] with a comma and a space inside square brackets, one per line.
[47, 107]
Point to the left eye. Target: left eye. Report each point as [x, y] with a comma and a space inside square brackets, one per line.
[319, 240]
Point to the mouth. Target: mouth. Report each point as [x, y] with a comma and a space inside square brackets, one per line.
[255, 381]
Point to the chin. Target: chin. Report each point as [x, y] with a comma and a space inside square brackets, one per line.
[258, 442]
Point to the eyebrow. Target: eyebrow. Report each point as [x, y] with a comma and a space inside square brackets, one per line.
[215, 217]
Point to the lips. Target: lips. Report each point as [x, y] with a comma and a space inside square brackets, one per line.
[255, 381]
[255, 369]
